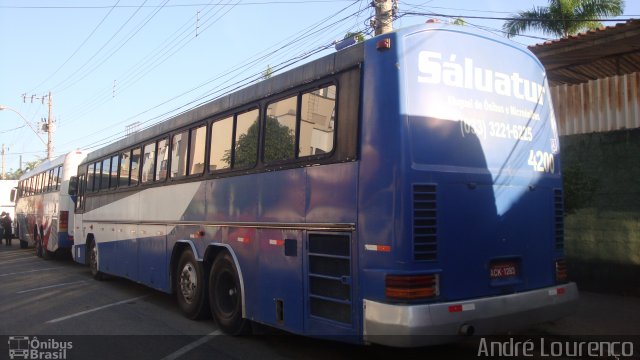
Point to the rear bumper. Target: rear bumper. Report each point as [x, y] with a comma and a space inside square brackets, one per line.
[419, 325]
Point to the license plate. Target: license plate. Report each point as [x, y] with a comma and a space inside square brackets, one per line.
[503, 270]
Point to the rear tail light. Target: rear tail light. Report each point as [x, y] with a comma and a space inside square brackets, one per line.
[411, 287]
[561, 271]
[63, 222]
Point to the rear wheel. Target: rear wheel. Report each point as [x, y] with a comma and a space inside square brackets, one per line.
[225, 296]
[191, 286]
[92, 261]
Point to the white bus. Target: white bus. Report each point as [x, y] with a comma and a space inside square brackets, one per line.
[43, 205]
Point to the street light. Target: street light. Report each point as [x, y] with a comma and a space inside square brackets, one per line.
[3, 107]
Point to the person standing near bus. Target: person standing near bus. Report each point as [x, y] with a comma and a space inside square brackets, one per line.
[5, 221]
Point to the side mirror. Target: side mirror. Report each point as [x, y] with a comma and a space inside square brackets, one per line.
[73, 186]
[14, 192]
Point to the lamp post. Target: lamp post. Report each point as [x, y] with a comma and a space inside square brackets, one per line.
[49, 154]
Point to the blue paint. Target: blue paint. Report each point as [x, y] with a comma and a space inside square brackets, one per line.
[493, 202]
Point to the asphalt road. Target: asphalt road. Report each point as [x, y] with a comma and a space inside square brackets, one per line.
[54, 302]
[56, 307]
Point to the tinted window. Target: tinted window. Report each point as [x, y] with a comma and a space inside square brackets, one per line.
[162, 160]
[179, 146]
[90, 177]
[280, 130]
[135, 167]
[113, 174]
[125, 164]
[246, 141]
[221, 140]
[317, 123]
[106, 169]
[148, 162]
[197, 150]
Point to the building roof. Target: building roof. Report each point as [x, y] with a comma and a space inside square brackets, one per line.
[595, 54]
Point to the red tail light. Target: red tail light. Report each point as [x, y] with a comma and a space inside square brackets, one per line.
[561, 271]
[411, 287]
[63, 221]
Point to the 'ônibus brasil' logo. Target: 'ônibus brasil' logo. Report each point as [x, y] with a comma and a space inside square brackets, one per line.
[451, 72]
[32, 348]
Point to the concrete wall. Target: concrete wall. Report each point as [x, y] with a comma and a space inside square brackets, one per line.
[602, 200]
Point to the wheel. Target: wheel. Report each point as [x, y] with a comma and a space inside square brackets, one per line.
[225, 296]
[191, 286]
[92, 259]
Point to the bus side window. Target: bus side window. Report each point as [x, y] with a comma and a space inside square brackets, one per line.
[58, 177]
[317, 123]
[135, 167]
[106, 168]
[113, 173]
[162, 160]
[125, 163]
[148, 162]
[179, 146]
[90, 176]
[280, 130]
[246, 141]
[221, 140]
[197, 149]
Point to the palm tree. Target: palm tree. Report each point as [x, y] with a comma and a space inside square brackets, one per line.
[564, 17]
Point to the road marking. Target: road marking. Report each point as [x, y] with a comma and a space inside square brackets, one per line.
[17, 260]
[27, 272]
[51, 286]
[96, 309]
[185, 349]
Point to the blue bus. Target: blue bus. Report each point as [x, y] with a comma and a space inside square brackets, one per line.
[403, 187]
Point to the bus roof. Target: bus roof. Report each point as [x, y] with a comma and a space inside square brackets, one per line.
[306, 73]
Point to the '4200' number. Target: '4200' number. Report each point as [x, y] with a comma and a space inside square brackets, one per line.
[541, 161]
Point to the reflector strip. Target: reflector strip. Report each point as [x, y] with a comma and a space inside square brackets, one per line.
[244, 240]
[558, 291]
[383, 248]
[462, 307]
[276, 242]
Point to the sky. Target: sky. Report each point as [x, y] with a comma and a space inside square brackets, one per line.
[117, 64]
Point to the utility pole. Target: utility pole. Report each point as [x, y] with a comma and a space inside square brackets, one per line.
[383, 21]
[49, 124]
[3, 176]
[50, 131]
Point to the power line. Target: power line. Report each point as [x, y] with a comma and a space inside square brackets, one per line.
[217, 92]
[174, 5]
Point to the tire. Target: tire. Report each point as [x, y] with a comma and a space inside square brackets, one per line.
[92, 261]
[191, 286]
[225, 295]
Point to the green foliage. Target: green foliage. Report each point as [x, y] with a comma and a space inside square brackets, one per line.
[459, 21]
[280, 144]
[267, 72]
[15, 175]
[357, 35]
[563, 17]
[578, 188]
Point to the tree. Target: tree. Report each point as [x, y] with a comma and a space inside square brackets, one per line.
[267, 72]
[279, 144]
[15, 175]
[359, 36]
[563, 17]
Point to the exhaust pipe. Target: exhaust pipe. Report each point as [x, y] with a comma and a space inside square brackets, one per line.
[466, 330]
